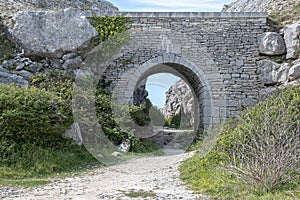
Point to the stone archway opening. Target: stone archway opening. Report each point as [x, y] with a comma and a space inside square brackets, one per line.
[191, 80]
[171, 109]
[192, 75]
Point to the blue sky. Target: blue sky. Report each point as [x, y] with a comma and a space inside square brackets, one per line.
[157, 85]
[170, 5]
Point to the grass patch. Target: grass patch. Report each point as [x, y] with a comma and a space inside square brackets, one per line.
[36, 162]
[140, 194]
[275, 122]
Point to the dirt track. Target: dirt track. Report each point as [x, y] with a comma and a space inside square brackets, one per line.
[155, 177]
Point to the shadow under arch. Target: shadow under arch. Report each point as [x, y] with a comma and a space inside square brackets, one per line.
[181, 67]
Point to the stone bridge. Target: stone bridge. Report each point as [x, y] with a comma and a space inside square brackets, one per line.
[214, 53]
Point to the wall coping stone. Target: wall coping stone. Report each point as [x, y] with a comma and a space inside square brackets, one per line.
[196, 14]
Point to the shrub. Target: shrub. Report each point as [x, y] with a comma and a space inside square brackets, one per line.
[265, 152]
[61, 84]
[109, 26]
[32, 124]
[179, 121]
[31, 115]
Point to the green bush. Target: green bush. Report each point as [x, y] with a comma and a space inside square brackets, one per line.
[111, 128]
[179, 121]
[31, 115]
[255, 156]
[106, 118]
[109, 26]
[174, 121]
[32, 124]
[139, 115]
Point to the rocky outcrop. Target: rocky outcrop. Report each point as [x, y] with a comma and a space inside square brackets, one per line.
[271, 43]
[20, 69]
[88, 7]
[246, 6]
[268, 6]
[292, 40]
[51, 33]
[179, 97]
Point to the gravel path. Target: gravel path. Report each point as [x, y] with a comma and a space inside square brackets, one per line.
[153, 177]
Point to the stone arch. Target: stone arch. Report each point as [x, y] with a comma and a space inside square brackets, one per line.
[181, 67]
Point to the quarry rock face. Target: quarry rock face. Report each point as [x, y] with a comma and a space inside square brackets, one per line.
[179, 97]
[51, 33]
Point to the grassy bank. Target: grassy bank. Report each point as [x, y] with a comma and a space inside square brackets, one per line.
[255, 156]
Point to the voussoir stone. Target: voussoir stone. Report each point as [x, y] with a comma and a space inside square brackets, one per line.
[292, 40]
[51, 33]
[271, 43]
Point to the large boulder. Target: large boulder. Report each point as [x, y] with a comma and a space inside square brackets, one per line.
[272, 73]
[51, 33]
[271, 43]
[292, 40]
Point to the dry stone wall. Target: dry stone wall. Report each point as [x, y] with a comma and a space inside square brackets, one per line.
[215, 53]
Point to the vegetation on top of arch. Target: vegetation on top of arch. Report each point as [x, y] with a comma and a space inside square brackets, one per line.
[108, 26]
